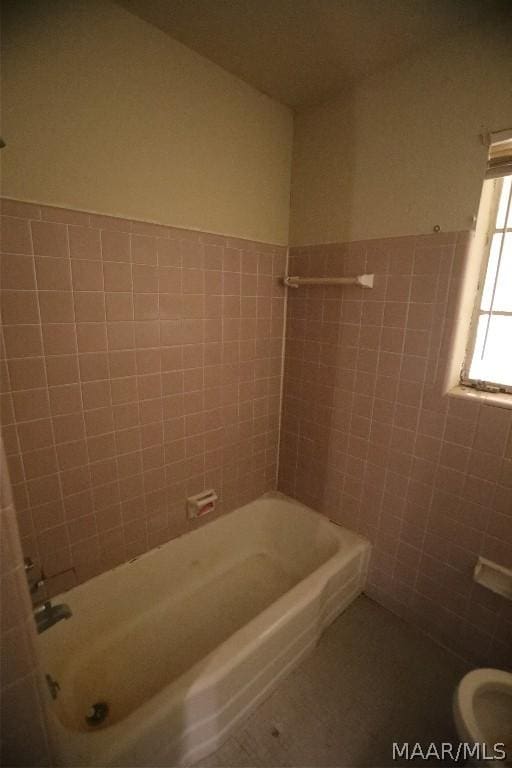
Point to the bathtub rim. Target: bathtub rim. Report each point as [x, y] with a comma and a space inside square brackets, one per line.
[204, 522]
[218, 663]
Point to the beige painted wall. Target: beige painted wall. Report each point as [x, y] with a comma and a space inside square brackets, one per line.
[104, 112]
[401, 152]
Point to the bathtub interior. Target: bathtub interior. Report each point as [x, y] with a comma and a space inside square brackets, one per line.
[140, 627]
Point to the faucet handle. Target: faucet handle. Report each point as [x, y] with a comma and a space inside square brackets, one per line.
[34, 582]
[40, 582]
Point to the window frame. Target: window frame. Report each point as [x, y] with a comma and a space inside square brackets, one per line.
[482, 385]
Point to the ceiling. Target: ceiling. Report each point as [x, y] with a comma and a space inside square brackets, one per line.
[303, 51]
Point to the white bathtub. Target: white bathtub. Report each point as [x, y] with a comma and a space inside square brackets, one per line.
[183, 641]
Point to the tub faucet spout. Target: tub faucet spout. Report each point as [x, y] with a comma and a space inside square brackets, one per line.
[47, 615]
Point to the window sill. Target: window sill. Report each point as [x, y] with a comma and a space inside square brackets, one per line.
[498, 399]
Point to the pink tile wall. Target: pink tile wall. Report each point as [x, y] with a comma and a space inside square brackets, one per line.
[368, 438]
[23, 739]
[140, 364]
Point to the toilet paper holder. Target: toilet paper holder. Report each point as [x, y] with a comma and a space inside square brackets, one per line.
[495, 577]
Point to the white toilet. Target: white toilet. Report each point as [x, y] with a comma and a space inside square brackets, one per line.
[482, 707]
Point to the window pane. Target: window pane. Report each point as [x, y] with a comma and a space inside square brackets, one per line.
[509, 220]
[503, 293]
[490, 276]
[496, 364]
[502, 206]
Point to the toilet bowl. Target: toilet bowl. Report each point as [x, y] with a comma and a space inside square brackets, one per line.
[482, 708]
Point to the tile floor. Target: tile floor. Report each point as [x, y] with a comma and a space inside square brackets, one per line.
[371, 680]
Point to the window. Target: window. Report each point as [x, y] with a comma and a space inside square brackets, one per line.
[488, 363]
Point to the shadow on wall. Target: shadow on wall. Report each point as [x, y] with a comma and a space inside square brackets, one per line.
[312, 371]
[320, 175]
[23, 728]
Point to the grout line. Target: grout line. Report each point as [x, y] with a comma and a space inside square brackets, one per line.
[283, 349]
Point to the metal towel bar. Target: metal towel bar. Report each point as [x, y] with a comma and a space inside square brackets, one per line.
[365, 281]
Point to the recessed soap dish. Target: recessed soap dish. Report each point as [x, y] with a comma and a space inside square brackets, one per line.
[495, 577]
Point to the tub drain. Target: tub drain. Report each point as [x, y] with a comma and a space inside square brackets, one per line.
[97, 714]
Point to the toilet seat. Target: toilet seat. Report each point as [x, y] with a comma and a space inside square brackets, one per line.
[470, 688]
